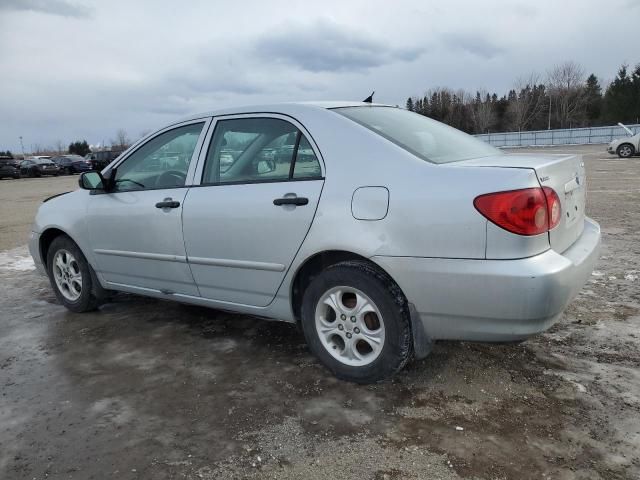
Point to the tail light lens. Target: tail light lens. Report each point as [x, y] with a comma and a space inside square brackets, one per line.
[529, 211]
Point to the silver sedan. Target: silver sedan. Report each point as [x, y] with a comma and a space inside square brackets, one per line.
[376, 229]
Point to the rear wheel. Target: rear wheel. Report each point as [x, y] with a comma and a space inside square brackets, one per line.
[625, 150]
[71, 276]
[356, 322]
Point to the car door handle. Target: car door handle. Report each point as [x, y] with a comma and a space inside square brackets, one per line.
[291, 201]
[168, 203]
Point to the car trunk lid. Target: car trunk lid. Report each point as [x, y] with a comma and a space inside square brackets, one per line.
[565, 174]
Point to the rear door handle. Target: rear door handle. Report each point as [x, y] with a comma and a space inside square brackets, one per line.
[291, 201]
[168, 203]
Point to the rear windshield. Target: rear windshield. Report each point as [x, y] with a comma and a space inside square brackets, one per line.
[424, 137]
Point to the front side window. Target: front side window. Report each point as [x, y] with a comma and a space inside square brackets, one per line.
[424, 137]
[162, 162]
[251, 150]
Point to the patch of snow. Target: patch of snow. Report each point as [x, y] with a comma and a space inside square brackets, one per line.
[17, 259]
[597, 273]
[631, 277]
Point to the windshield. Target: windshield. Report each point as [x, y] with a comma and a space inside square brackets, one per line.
[424, 137]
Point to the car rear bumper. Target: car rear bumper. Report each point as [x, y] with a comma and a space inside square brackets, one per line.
[494, 300]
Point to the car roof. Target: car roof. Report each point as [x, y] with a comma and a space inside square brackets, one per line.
[289, 108]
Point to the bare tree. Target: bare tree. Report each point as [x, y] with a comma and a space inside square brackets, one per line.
[59, 146]
[566, 87]
[122, 139]
[526, 101]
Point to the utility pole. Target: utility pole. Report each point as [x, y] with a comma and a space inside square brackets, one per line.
[549, 125]
[22, 147]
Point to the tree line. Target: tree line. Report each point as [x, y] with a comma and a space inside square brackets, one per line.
[79, 147]
[564, 98]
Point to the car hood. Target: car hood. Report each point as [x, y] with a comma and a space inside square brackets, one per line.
[633, 139]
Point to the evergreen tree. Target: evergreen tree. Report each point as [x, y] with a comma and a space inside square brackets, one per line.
[410, 104]
[593, 107]
[622, 97]
[79, 148]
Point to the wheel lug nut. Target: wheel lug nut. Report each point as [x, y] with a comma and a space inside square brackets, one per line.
[356, 330]
[348, 334]
[340, 327]
[343, 317]
[353, 319]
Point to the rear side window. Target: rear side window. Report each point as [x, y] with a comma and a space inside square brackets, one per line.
[422, 136]
[250, 150]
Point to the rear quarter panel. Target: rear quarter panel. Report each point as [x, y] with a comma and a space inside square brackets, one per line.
[431, 212]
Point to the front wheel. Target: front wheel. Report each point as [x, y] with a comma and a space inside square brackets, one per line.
[70, 276]
[625, 150]
[356, 321]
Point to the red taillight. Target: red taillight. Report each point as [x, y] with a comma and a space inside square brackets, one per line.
[529, 211]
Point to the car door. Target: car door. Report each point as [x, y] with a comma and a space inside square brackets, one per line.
[255, 203]
[136, 230]
[25, 167]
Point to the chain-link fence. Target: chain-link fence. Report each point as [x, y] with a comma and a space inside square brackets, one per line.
[565, 136]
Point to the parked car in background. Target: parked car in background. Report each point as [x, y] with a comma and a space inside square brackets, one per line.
[99, 160]
[395, 231]
[8, 168]
[38, 167]
[71, 164]
[11, 161]
[625, 147]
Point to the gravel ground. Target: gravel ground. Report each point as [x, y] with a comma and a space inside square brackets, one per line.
[149, 389]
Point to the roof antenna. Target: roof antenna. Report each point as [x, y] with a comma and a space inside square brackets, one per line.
[369, 99]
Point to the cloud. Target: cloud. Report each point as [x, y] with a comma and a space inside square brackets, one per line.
[62, 8]
[473, 44]
[328, 47]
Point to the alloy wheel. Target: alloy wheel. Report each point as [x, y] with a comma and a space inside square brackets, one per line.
[67, 275]
[350, 326]
[625, 151]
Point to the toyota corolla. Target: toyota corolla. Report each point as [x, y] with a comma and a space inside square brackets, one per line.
[377, 230]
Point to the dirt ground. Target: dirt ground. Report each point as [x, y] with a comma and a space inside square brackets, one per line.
[149, 389]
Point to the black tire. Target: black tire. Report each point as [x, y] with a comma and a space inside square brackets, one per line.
[625, 150]
[88, 299]
[390, 301]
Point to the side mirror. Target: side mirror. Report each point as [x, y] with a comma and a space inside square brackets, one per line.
[91, 181]
[265, 166]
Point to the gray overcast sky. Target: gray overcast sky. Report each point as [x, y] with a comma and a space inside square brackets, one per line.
[74, 69]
